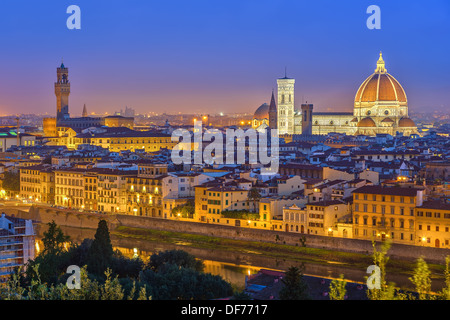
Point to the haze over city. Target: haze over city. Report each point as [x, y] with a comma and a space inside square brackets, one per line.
[218, 56]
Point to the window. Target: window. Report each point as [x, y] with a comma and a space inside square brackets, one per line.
[374, 208]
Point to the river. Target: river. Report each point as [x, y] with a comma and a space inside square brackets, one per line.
[232, 266]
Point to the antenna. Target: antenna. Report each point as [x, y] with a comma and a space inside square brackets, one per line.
[285, 72]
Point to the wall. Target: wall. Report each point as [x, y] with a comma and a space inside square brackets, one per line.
[90, 221]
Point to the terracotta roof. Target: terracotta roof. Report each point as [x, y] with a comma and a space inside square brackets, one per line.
[393, 191]
[437, 205]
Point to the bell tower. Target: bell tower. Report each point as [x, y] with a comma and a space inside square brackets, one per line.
[286, 105]
[62, 91]
[273, 113]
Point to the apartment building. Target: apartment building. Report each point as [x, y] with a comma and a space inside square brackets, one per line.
[37, 183]
[382, 212]
[271, 209]
[90, 192]
[323, 216]
[212, 199]
[433, 224]
[16, 244]
[112, 189]
[144, 190]
[69, 187]
[178, 188]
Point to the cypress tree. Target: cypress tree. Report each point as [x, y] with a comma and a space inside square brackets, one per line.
[101, 251]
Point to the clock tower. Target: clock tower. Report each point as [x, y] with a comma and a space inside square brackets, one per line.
[62, 91]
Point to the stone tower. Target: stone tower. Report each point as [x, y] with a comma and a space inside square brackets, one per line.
[62, 91]
[307, 111]
[273, 113]
[286, 105]
[84, 114]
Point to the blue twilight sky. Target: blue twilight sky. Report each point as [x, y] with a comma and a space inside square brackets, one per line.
[218, 55]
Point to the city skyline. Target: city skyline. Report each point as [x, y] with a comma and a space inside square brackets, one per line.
[221, 57]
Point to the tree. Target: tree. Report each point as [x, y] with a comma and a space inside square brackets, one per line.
[421, 279]
[11, 181]
[179, 258]
[386, 291]
[445, 293]
[101, 251]
[53, 259]
[294, 287]
[338, 288]
[255, 196]
[241, 295]
[186, 211]
[54, 239]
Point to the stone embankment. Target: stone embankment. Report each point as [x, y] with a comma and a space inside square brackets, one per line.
[90, 221]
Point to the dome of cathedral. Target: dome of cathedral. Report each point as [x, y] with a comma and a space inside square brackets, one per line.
[406, 123]
[380, 86]
[262, 112]
[366, 122]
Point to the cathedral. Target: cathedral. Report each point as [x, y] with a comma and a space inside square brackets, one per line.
[380, 106]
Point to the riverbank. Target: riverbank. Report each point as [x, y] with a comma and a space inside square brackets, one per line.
[277, 252]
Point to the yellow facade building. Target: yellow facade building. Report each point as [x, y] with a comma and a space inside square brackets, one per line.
[382, 212]
[144, 190]
[433, 224]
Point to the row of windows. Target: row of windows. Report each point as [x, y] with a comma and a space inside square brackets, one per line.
[384, 223]
[374, 208]
[393, 235]
[437, 228]
[375, 197]
[432, 214]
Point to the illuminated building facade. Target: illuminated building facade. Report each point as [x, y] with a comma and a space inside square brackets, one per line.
[17, 241]
[380, 213]
[380, 107]
[144, 190]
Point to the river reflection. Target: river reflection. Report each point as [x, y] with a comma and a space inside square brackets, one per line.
[232, 266]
